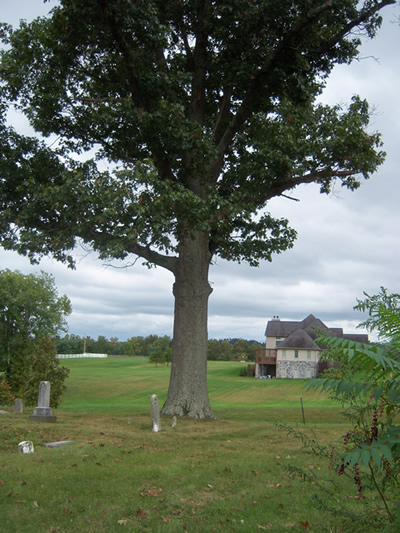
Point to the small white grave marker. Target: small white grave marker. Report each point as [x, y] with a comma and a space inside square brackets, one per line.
[155, 414]
[26, 446]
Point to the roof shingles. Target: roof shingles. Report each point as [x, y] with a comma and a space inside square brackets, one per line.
[302, 334]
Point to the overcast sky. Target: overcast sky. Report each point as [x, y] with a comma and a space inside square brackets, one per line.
[347, 242]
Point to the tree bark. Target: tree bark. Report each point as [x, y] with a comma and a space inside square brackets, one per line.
[187, 393]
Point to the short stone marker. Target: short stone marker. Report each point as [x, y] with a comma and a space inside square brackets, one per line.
[155, 414]
[4, 412]
[26, 446]
[18, 405]
[57, 444]
[43, 412]
[174, 422]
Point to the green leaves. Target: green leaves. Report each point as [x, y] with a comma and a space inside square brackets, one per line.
[202, 113]
[372, 397]
[377, 452]
[29, 308]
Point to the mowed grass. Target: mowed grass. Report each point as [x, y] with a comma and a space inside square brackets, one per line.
[128, 383]
[228, 474]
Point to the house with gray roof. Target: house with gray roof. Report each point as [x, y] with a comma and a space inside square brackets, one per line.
[290, 348]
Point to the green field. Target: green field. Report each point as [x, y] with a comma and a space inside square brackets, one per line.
[234, 473]
[127, 383]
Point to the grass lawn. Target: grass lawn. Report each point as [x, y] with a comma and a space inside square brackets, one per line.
[230, 474]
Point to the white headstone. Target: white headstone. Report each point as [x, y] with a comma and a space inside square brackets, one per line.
[25, 446]
[155, 414]
[44, 394]
[43, 413]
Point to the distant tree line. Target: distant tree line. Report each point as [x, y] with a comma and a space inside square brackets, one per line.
[158, 349]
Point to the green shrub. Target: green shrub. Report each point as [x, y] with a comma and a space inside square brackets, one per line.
[331, 373]
[6, 397]
[26, 372]
[45, 367]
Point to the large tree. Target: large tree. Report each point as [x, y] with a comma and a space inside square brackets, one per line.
[204, 110]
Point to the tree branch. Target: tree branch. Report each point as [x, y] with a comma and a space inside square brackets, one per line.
[130, 247]
[313, 177]
[223, 114]
[159, 156]
[101, 100]
[260, 80]
[169, 263]
[200, 64]
[354, 23]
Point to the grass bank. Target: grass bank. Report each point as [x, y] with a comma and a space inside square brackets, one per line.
[231, 474]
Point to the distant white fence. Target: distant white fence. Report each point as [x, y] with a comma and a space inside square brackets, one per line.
[80, 355]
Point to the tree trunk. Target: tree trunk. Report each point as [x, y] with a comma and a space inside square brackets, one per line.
[187, 393]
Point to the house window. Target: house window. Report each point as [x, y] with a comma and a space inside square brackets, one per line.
[296, 373]
[283, 354]
[296, 354]
[308, 373]
[283, 372]
[308, 354]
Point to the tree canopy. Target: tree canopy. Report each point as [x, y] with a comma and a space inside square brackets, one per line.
[204, 111]
[30, 309]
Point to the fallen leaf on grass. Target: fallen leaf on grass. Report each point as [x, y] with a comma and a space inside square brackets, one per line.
[36, 505]
[141, 514]
[2, 482]
[122, 522]
[305, 524]
[165, 520]
[151, 492]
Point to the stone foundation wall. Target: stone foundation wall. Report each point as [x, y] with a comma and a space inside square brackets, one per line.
[300, 366]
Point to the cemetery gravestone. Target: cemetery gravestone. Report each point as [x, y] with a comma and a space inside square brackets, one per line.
[59, 443]
[25, 446]
[18, 405]
[155, 414]
[43, 412]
